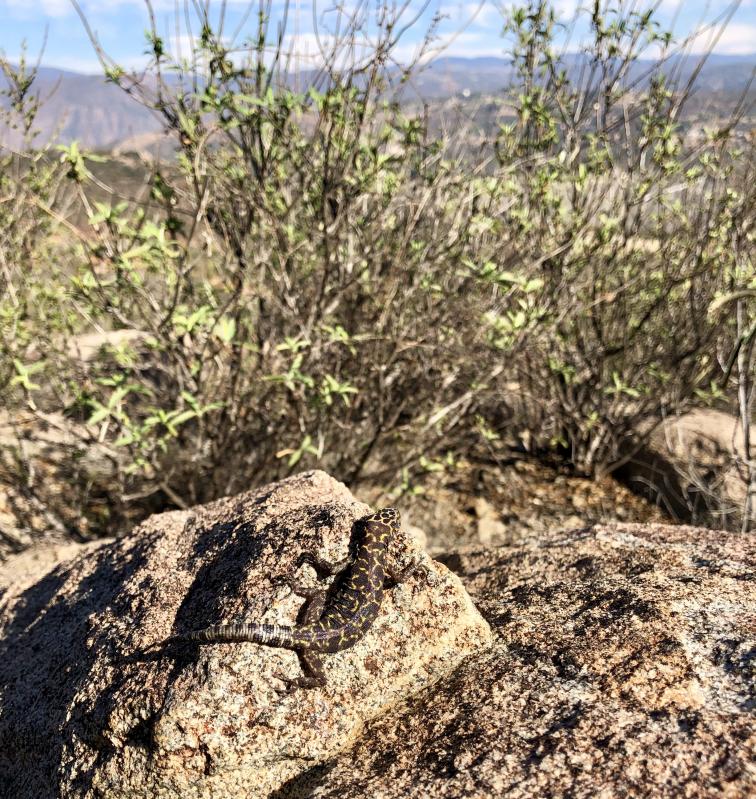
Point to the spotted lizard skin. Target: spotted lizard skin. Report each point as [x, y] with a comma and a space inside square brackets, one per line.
[338, 622]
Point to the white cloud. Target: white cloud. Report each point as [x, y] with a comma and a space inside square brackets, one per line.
[56, 8]
[705, 7]
[62, 8]
[480, 13]
[307, 53]
[181, 47]
[469, 44]
[307, 49]
[50, 8]
[566, 8]
[736, 39]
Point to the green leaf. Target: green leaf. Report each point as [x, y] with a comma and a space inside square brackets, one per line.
[225, 329]
[102, 412]
[184, 416]
[24, 373]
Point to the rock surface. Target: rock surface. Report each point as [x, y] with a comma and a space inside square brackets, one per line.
[24, 569]
[624, 665]
[694, 465]
[93, 703]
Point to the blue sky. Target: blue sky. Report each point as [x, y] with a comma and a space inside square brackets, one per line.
[468, 29]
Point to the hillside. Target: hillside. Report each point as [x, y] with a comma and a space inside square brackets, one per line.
[102, 117]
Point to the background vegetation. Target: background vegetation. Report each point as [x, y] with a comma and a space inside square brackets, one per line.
[324, 278]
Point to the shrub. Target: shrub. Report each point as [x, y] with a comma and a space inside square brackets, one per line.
[319, 280]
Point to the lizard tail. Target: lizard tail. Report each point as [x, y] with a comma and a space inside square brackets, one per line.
[267, 634]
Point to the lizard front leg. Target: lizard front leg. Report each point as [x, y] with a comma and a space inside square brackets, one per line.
[395, 576]
[323, 567]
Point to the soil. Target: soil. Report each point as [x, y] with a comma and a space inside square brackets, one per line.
[480, 503]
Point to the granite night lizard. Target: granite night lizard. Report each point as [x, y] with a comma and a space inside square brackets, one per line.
[332, 619]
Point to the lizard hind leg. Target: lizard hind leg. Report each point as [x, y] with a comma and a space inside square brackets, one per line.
[312, 666]
[313, 675]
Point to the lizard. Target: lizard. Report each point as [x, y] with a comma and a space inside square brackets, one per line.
[333, 619]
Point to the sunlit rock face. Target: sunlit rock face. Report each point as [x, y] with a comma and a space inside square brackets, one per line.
[94, 703]
[623, 664]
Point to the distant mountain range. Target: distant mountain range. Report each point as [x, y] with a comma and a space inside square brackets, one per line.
[449, 76]
[86, 108]
[102, 117]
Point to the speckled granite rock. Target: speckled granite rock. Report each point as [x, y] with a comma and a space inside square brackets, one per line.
[91, 705]
[624, 665]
